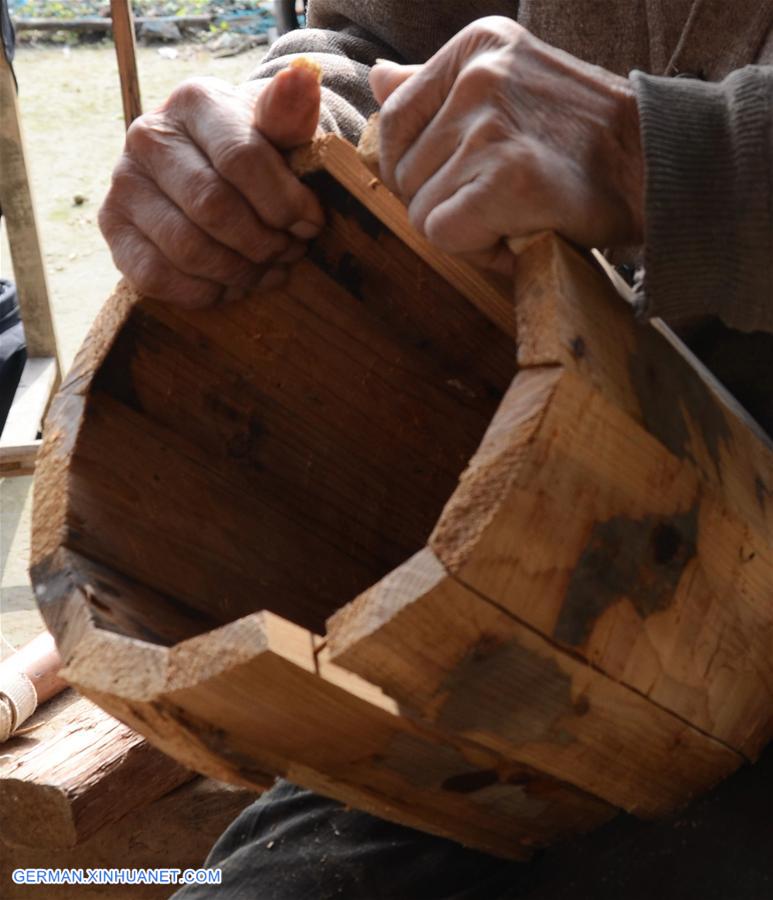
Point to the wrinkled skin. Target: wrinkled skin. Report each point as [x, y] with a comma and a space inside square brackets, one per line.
[203, 206]
[500, 135]
[497, 136]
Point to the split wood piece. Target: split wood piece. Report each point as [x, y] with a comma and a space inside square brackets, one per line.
[492, 296]
[472, 671]
[20, 438]
[126, 56]
[247, 701]
[210, 454]
[623, 512]
[62, 783]
[173, 831]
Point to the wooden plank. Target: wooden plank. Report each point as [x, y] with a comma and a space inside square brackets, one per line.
[61, 784]
[126, 54]
[636, 365]
[173, 831]
[105, 23]
[19, 460]
[16, 204]
[657, 488]
[472, 671]
[247, 700]
[491, 295]
[25, 417]
[226, 410]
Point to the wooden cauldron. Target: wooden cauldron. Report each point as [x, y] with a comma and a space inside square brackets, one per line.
[556, 526]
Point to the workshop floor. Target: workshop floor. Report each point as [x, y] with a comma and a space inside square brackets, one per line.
[71, 114]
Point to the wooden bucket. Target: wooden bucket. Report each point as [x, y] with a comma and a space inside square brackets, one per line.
[494, 571]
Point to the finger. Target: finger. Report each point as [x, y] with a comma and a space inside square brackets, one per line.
[386, 76]
[287, 110]
[184, 174]
[456, 224]
[432, 149]
[218, 123]
[409, 109]
[149, 271]
[187, 247]
[498, 258]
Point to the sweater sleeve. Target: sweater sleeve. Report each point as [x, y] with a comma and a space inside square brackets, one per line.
[346, 38]
[708, 151]
[345, 58]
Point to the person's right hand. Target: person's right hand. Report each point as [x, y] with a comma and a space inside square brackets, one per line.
[202, 205]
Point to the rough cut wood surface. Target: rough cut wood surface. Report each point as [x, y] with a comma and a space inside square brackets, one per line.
[173, 831]
[467, 667]
[74, 770]
[584, 627]
[248, 701]
[657, 484]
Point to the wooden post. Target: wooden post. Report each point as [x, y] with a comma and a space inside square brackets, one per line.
[125, 51]
[19, 441]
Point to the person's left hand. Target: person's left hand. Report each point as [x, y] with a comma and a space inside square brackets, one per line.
[500, 135]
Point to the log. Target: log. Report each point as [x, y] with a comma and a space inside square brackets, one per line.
[74, 771]
[103, 23]
[173, 831]
[585, 560]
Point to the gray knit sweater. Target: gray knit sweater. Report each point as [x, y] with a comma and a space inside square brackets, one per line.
[708, 139]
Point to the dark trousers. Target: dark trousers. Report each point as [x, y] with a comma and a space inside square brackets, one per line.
[294, 845]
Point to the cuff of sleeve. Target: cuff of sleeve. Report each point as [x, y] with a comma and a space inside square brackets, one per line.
[708, 198]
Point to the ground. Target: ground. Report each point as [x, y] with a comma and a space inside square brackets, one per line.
[71, 115]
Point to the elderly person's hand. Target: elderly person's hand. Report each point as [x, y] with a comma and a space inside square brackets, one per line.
[202, 205]
[500, 135]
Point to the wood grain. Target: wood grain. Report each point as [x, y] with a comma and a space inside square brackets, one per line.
[61, 783]
[126, 55]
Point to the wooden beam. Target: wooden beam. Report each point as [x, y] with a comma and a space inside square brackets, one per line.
[173, 831]
[19, 460]
[78, 771]
[321, 728]
[33, 394]
[18, 210]
[105, 24]
[20, 438]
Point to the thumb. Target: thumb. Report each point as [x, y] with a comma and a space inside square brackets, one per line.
[386, 76]
[287, 109]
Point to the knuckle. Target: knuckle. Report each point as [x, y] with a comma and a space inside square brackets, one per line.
[495, 29]
[208, 206]
[191, 255]
[480, 78]
[190, 93]
[140, 137]
[236, 161]
[146, 274]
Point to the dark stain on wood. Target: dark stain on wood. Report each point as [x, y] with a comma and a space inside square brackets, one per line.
[336, 197]
[674, 399]
[638, 559]
[578, 347]
[422, 763]
[115, 375]
[469, 782]
[761, 492]
[494, 679]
